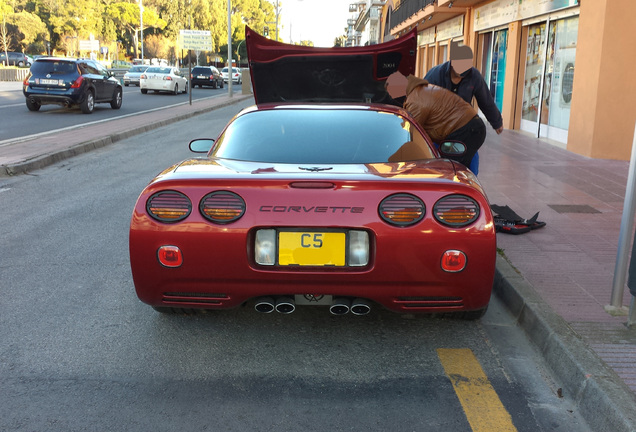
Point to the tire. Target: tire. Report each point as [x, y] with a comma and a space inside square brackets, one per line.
[88, 104]
[222, 84]
[117, 99]
[144, 91]
[20, 63]
[126, 84]
[33, 106]
[185, 90]
[176, 89]
[215, 86]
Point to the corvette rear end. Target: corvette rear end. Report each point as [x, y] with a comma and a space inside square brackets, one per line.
[424, 245]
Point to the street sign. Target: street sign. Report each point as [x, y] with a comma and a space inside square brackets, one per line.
[89, 45]
[195, 40]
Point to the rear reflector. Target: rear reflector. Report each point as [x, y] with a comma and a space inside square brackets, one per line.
[169, 206]
[453, 261]
[170, 256]
[402, 209]
[222, 207]
[456, 210]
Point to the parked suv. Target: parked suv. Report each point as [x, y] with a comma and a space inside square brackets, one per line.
[15, 59]
[70, 82]
[206, 76]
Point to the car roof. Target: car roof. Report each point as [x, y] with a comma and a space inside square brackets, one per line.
[292, 73]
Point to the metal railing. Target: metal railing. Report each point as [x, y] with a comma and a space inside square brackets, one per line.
[407, 9]
[13, 74]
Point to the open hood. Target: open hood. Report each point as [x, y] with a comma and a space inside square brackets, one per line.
[292, 73]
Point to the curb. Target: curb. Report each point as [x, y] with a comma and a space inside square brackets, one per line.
[603, 400]
[96, 143]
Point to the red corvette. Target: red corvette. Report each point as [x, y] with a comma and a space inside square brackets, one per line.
[299, 201]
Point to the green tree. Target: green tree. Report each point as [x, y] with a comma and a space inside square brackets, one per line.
[125, 16]
[30, 31]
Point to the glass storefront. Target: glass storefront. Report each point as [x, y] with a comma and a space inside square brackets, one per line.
[498, 68]
[549, 77]
[494, 45]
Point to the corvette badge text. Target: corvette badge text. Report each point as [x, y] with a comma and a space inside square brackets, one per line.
[312, 209]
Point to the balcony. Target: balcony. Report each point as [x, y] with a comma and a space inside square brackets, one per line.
[426, 13]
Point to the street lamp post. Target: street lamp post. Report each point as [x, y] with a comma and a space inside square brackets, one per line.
[141, 29]
[229, 48]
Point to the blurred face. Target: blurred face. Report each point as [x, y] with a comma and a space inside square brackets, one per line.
[461, 66]
[396, 85]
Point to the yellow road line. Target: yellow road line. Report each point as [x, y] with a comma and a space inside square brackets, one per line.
[483, 409]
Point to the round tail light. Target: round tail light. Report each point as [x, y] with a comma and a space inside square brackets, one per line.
[456, 210]
[402, 209]
[222, 207]
[168, 206]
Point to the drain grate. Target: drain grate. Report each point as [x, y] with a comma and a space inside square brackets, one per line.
[573, 208]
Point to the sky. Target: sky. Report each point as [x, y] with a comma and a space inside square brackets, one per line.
[319, 21]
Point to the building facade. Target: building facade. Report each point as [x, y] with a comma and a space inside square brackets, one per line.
[557, 69]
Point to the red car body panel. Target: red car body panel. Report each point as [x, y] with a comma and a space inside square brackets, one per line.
[404, 271]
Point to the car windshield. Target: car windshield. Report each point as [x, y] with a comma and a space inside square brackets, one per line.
[53, 67]
[160, 70]
[322, 136]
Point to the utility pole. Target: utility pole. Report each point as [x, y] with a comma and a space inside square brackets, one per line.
[141, 29]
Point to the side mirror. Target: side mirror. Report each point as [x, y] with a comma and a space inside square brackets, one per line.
[201, 145]
[452, 148]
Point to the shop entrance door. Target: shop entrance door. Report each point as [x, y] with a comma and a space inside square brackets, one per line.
[549, 78]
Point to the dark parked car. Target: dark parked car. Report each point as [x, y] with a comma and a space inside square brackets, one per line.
[206, 76]
[69, 82]
[15, 59]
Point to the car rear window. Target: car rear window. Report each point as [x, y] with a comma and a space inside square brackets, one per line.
[322, 136]
[138, 68]
[161, 70]
[53, 67]
[200, 70]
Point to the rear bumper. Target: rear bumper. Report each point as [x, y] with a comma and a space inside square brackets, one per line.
[67, 98]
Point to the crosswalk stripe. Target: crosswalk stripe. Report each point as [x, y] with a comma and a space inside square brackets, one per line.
[482, 406]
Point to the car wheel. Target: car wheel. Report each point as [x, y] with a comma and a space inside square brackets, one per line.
[33, 105]
[126, 84]
[20, 63]
[117, 99]
[144, 91]
[185, 90]
[88, 104]
[215, 85]
[176, 89]
[222, 84]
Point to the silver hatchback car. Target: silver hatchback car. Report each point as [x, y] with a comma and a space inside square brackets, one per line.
[133, 74]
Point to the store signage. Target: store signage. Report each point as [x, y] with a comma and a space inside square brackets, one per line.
[451, 28]
[426, 37]
[502, 12]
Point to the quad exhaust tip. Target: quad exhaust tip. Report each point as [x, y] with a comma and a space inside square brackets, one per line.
[340, 306]
[286, 305]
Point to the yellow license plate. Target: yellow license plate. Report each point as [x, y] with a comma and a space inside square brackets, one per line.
[311, 248]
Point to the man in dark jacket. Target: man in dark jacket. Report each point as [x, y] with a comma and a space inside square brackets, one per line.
[458, 76]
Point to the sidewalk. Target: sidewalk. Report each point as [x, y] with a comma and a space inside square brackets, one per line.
[556, 280]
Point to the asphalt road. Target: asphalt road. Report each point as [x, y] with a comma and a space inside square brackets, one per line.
[18, 121]
[79, 352]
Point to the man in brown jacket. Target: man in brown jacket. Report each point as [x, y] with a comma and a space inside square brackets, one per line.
[441, 113]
